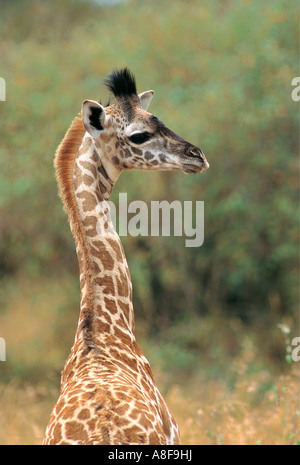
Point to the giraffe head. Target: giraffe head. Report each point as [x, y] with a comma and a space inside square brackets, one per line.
[131, 137]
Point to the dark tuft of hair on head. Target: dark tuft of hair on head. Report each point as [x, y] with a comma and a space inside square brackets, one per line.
[121, 83]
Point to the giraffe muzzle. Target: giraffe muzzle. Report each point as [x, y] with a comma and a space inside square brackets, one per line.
[197, 155]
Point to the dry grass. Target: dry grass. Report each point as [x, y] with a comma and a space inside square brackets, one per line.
[38, 326]
[211, 414]
[207, 414]
[25, 410]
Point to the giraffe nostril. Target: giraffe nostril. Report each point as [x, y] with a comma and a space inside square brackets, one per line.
[196, 153]
[193, 153]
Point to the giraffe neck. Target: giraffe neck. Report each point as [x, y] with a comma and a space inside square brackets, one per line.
[104, 274]
[106, 311]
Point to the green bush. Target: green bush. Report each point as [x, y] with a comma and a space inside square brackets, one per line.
[222, 74]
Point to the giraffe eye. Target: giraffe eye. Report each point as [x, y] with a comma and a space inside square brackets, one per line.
[139, 137]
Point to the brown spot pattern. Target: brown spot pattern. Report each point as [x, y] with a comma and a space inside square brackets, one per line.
[108, 395]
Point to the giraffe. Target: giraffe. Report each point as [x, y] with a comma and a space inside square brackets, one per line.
[108, 395]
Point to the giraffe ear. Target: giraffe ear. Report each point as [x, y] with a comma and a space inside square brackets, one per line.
[93, 117]
[146, 98]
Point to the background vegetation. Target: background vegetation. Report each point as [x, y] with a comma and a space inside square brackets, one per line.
[216, 321]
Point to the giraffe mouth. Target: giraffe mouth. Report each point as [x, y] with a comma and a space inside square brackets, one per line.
[194, 161]
[192, 169]
[195, 165]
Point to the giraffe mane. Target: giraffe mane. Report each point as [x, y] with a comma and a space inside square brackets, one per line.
[64, 165]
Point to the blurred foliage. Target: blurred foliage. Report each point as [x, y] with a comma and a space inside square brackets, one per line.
[222, 75]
